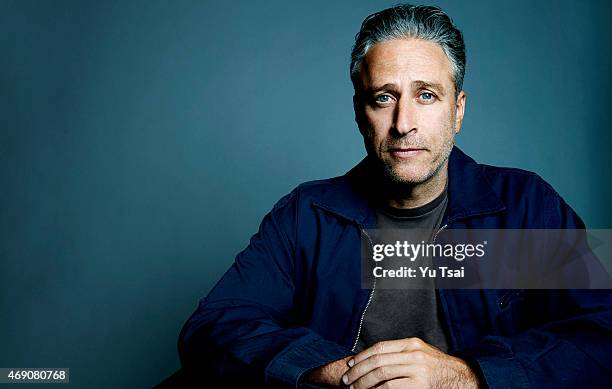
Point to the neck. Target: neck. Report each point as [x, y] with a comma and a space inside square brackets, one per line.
[413, 196]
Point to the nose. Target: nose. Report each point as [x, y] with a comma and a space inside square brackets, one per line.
[405, 117]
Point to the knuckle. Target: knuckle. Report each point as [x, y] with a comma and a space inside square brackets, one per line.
[377, 359]
[380, 347]
[380, 372]
[416, 342]
[419, 356]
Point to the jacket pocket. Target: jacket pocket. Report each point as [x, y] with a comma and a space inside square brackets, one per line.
[511, 318]
[510, 296]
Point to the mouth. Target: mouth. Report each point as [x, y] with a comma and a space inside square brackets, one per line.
[406, 152]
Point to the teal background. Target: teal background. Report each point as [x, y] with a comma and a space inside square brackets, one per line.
[141, 142]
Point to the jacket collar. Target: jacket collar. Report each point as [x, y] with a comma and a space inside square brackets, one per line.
[469, 192]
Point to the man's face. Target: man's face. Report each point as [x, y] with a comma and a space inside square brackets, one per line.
[406, 108]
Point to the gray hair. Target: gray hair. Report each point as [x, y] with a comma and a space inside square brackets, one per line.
[424, 22]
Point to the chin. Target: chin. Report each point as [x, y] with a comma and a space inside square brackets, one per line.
[407, 176]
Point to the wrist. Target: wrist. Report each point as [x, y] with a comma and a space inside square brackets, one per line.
[330, 374]
[470, 378]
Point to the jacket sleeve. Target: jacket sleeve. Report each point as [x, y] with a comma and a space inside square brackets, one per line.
[572, 343]
[246, 329]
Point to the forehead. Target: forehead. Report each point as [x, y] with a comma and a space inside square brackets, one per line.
[405, 60]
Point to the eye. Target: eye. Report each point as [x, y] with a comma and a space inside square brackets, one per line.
[382, 99]
[427, 97]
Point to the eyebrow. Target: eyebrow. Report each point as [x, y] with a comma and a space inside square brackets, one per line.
[429, 85]
[419, 84]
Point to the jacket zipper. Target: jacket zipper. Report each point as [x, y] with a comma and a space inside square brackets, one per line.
[371, 245]
[449, 331]
[363, 232]
[438, 232]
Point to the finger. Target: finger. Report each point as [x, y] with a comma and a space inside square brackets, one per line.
[379, 360]
[385, 373]
[401, 383]
[390, 346]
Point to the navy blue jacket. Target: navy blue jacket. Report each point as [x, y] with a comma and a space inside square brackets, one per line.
[293, 301]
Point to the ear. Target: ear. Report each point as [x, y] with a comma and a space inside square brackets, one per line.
[459, 111]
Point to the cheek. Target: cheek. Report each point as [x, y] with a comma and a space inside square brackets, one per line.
[434, 116]
[378, 123]
[439, 122]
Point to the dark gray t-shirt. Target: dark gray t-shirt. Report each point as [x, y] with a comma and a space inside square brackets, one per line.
[397, 313]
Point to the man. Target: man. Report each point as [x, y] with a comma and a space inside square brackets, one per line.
[291, 310]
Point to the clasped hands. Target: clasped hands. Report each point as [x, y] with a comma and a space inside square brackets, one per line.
[402, 363]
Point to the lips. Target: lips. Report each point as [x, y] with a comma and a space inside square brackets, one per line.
[406, 152]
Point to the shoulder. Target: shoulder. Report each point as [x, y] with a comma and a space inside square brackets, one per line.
[528, 193]
[508, 180]
[312, 190]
